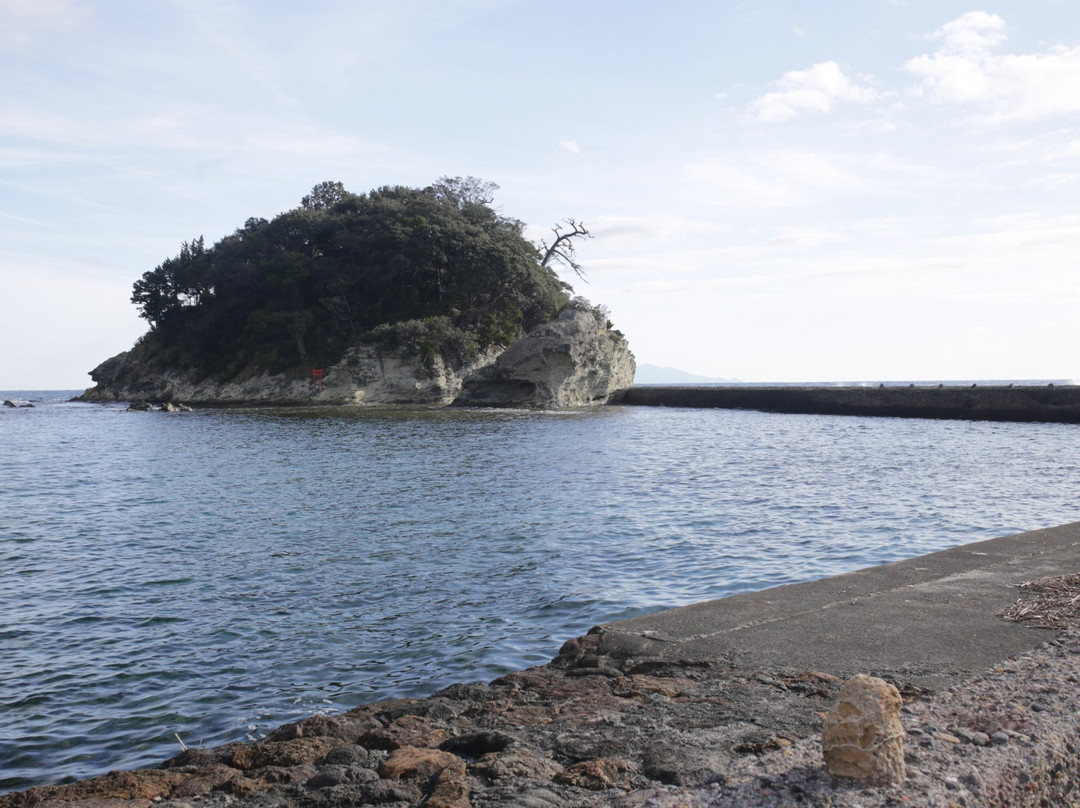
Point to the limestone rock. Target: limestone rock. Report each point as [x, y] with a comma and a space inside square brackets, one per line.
[568, 362]
[565, 363]
[863, 739]
[364, 375]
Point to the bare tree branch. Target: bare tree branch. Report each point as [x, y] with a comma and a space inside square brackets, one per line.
[562, 248]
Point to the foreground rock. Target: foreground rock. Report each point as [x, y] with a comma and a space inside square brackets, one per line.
[572, 361]
[863, 739]
[589, 730]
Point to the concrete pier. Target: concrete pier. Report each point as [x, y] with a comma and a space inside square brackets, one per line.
[1048, 404]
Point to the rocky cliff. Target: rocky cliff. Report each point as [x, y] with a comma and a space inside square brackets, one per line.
[568, 362]
[564, 363]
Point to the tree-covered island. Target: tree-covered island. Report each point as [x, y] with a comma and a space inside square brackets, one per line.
[431, 283]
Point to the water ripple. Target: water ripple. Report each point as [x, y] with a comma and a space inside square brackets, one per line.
[214, 574]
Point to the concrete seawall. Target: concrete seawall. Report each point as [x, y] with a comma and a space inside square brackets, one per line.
[1049, 404]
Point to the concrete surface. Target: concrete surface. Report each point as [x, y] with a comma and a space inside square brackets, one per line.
[930, 620]
[1049, 403]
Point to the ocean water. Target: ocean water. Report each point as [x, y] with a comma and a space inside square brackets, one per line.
[215, 574]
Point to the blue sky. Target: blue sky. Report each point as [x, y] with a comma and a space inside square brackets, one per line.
[778, 190]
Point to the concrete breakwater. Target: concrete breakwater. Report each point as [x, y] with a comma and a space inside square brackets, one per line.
[1049, 404]
[716, 704]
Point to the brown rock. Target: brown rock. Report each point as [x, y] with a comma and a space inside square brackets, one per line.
[408, 730]
[198, 757]
[388, 709]
[441, 774]
[417, 765]
[345, 727]
[147, 784]
[451, 790]
[283, 753]
[204, 780]
[863, 739]
[242, 786]
[595, 775]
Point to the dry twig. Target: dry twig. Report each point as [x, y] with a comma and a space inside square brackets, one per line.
[1054, 603]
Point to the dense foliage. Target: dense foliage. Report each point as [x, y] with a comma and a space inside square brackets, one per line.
[431, 270]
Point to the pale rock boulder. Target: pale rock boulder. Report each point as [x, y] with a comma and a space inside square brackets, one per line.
[863, 739]
[571, 361]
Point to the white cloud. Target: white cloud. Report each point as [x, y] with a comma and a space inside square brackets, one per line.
[802, 237]
[777, 178]
[570, 146]
[815, 89]
[966, 70]
[657, 227]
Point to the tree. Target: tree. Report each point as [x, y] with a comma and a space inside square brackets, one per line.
[562, 248]
[462, 191]
[313, 281]
[324, 195]
[174, 283]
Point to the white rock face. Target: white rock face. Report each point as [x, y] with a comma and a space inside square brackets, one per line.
[567, 362]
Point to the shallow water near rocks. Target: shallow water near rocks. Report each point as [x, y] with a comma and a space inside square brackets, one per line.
[217, 573]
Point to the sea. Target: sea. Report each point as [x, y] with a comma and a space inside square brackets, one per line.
[204, 577]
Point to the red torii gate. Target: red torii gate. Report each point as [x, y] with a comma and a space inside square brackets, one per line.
[317, 378]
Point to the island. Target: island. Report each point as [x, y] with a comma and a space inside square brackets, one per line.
[396, 296]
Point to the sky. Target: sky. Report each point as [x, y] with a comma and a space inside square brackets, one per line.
[777, 190]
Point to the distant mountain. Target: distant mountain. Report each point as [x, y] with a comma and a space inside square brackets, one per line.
[651, 374]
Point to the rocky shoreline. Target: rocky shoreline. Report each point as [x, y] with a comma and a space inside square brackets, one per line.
[571, 361]
[594, 730]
